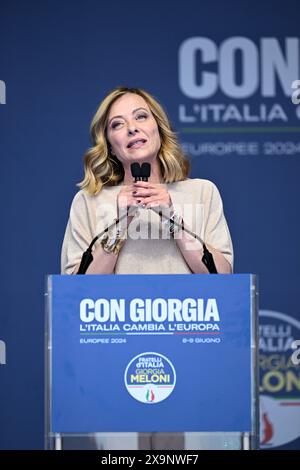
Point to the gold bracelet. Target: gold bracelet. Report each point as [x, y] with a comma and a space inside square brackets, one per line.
[113, 244]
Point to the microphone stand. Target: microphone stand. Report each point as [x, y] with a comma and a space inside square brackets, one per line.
[87, 256]
[207, 258]
[143, 172]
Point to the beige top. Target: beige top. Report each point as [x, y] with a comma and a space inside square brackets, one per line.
[148, 248]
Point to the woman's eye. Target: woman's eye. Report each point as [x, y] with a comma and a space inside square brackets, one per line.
[116, 124]
[141, 116]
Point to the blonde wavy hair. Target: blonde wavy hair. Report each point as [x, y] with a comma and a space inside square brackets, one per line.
[102, 168]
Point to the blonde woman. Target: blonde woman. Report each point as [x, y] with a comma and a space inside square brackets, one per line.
[131, 126]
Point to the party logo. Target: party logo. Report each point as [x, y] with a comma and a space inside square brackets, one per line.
[150, 377]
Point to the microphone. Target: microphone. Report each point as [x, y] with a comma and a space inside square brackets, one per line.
[145, 171]
[136, 171]
[142, 172]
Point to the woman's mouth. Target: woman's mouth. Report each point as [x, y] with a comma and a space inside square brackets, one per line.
[136, 143]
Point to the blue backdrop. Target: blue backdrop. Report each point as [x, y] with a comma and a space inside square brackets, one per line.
[239, 125]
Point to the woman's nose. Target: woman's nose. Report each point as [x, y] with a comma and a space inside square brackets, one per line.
[132, 129]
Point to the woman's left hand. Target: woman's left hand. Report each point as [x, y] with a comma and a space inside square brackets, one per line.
[151, 195]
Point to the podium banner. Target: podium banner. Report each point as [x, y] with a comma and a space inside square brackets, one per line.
[150, 353]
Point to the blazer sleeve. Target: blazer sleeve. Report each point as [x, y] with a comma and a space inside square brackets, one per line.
[216, 231]
[79, 232]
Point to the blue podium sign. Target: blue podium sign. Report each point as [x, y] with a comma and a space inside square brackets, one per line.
[150, 353]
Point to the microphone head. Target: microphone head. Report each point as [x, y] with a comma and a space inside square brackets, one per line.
[135, 170]
[145, 171]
